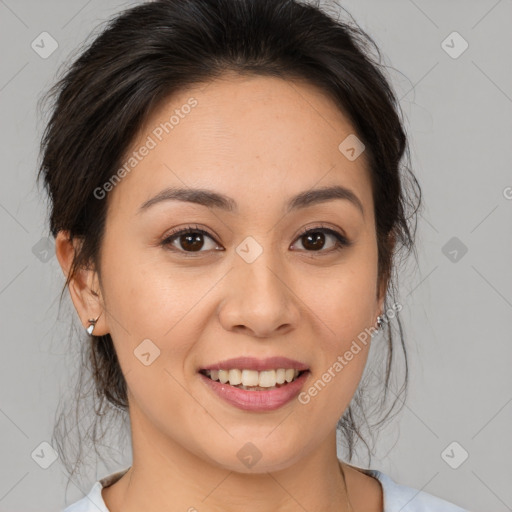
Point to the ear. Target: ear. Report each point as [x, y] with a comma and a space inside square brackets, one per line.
[381, 296]
[83, 287]
[384, 281]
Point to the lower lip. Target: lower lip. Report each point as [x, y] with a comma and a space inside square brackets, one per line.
[257, 400]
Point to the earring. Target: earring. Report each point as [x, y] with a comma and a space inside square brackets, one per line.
[91, 327]
[380, 322]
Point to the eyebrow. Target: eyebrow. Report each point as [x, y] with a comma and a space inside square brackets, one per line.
[212, 199]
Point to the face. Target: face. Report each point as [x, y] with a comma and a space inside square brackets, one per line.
[260, 276]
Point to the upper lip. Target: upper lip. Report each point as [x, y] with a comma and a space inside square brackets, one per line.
[252, 363]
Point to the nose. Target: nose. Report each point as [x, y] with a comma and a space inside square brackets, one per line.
[259, 299]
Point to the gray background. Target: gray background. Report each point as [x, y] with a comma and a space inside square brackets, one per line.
[457, 307]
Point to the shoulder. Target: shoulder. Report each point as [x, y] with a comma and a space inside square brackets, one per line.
[402, 498]
[93, 501]
[396, 497]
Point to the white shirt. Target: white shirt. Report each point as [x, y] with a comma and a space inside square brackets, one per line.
[396, 497]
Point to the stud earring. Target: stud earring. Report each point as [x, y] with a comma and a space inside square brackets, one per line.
[380, 322]
[91, 327]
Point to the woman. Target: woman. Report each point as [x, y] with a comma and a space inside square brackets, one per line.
[228, 203]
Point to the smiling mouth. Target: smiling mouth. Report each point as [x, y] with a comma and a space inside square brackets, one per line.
[252, 380]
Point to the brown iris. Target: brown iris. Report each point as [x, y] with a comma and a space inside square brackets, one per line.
[192, 242]
[317, 239]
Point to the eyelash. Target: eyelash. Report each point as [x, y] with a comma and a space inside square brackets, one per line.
[341, 241]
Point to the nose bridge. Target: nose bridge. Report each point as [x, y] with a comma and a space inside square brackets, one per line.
[258, 273]
[259, 297]
[260, 276]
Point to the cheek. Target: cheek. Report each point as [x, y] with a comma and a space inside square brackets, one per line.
[339, 369]
[149, 299]
[343, 305]
[344, 300]
[144, 296]
[153, 319]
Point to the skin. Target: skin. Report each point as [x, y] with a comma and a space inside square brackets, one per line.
[258, 140]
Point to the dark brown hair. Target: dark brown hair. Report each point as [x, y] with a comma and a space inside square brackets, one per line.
[150, 51]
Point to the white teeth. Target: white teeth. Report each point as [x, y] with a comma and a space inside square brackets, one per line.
[253, 378]
[289, 374]
[249, 378]
[267, 379]
[235, 377]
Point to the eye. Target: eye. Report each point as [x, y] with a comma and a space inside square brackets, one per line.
[189, 239]
[314, 239]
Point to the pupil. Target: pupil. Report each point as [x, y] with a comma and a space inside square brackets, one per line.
[192, 242]
[316, 237]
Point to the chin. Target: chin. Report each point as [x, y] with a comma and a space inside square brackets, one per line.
[255, 458]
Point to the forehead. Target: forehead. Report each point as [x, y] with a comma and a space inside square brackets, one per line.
[252, 137]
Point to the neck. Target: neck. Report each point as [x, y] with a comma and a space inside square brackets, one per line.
[166, 476]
